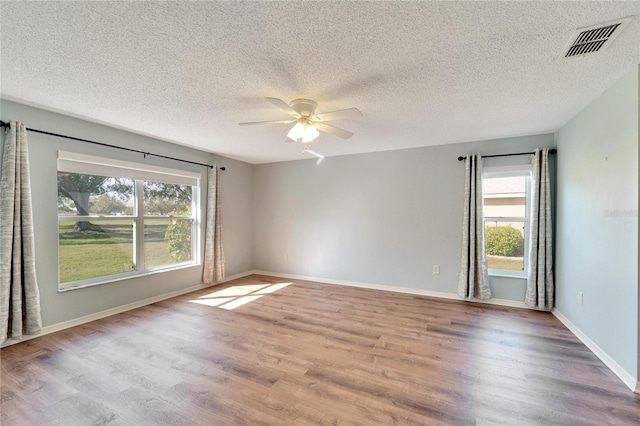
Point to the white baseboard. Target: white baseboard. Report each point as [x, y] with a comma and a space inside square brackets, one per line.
[626, 378]
[118, 309]
[409, 290]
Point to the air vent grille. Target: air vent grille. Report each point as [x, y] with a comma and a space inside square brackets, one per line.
[595, 38]
[591, 41]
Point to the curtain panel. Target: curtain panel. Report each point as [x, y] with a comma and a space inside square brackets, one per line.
[540, 285]
[473, 282]
[19, 294]
[213, 249]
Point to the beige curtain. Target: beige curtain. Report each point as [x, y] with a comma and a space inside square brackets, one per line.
[540, 287]
[213, 250]
[473, 282]
[19, 295]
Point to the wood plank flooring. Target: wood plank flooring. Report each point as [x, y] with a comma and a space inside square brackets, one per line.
[312, 354]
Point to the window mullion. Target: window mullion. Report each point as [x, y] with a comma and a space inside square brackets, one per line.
[195, 242]
[138, 244]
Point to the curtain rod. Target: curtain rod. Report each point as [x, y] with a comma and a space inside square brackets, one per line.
[3, 124]
[551, 151]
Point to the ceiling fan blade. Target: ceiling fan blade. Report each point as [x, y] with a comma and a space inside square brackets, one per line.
[333, 130]
[251, 123]
[341, 114]
[283, 106]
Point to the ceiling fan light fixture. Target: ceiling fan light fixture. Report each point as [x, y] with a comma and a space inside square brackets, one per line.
[296, 132]
[310, 133]
[305, 132]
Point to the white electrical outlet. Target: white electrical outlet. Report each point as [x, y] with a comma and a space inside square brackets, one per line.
[436, 269]
[580, 297]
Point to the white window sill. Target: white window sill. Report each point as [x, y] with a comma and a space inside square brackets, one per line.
[121, 277]
[506, 274]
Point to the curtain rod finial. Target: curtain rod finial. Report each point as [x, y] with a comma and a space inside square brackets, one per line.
[461, 158]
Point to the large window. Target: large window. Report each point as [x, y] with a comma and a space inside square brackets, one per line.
[506, 219]
[119, 219]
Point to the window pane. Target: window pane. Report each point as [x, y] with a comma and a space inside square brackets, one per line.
[104, 248]
[90, 195]
[504, 245]
[107, 221]
[166, 199]
[505, 196]
[167, 241]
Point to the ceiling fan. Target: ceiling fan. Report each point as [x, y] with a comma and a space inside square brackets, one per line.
[307, 122]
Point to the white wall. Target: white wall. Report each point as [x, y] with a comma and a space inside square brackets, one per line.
[597, 222]
[57, 307]
[381, 218]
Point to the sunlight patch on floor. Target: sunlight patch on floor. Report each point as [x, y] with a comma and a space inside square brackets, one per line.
[240, 290]
[213, 302]
[239, 302]
[236, 296]
[272, 288]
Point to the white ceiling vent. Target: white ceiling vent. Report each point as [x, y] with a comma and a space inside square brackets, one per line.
[595, 38]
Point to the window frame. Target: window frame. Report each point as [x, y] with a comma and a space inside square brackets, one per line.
[503, 172]
[138, 173]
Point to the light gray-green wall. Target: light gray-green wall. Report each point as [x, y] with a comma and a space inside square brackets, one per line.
[597, 221]
[381, 218]
[57, 307]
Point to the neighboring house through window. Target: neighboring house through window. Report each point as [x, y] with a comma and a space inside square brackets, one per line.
[506, 194]
[119, 219]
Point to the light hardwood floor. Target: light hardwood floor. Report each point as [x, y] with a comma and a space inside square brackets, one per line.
[312, 353]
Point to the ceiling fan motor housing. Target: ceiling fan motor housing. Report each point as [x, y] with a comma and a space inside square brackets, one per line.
[304, 107]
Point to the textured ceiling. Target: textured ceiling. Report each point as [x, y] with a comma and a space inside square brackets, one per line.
[422, 73]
